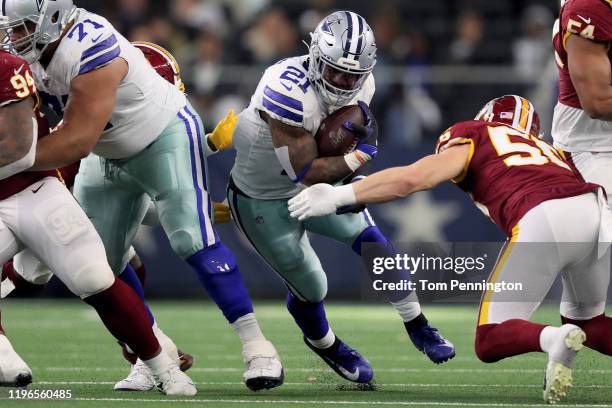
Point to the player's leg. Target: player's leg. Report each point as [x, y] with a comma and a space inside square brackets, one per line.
[51, 223]
[172, 171]
[24, 274]
[282, 243]
[116, 212]
[555, 235]
[14, 372]
[358, 230]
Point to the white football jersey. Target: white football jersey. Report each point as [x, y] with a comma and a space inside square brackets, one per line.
[285, 94]
[145, 102]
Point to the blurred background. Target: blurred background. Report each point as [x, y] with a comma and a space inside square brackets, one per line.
[439, 62]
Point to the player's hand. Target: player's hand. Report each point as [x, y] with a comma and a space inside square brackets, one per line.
[221, 137]
[222, 213]
[352, 208]
[368, 134]
[314, 201]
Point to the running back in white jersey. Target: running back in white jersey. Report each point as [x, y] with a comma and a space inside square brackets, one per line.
[145, 102]
[285, 94]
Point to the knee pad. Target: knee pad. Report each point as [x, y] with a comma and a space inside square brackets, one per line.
[90, 280]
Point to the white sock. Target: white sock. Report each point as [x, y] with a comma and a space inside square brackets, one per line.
[408, 308]
[159, 364]
[324, 342]
[547, 338]
[247, 328]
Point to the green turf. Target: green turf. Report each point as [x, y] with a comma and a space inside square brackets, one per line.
[68, 349]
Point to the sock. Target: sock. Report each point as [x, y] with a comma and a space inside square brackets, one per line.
[510, 338]
[408, 308]
[159, 364]
[129, 277]
[248, 328]
[598, 331]
[548, 337]
[310, 317]
[217, 271]
[416, 323]
[21, 285]
[141, 272]
[125, 316]
[325, 342]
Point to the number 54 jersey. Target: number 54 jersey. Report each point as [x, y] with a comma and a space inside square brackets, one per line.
[509, 172]
[285, 94]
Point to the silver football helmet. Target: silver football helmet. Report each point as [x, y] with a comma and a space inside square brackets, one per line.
[344, 42]
[38, 22]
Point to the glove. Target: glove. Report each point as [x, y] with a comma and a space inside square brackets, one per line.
[368, 134]
[222, 213]
[221, 137]
[319, 200]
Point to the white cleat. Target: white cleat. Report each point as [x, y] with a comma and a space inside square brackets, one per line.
[14, 372]
[175, 382]
[139, 379]
[263, 366]
[558, 379]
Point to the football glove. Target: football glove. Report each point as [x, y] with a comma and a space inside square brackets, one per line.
[222, 214]
[360, 174]
[368, 134]
[221, 137]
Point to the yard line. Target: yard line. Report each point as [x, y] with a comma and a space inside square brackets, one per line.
[324, 402]
[322, 369]
[382, 385]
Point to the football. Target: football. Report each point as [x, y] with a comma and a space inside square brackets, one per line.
[332, 138]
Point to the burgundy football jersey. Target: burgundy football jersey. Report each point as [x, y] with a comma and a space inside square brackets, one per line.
[510, 172]
[590, 19]
[17, 84]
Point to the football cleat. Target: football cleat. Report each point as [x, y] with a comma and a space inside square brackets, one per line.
[175, 382]
[263, 367]
[345, 361]
[427, 340]
[558, 378]
[139, 379]
[14, 372]
[186, 360]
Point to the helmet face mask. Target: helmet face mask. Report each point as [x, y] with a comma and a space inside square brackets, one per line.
[30, 26]
[343, 44]
[514, 111]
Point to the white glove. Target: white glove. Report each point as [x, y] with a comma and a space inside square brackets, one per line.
[319, 200]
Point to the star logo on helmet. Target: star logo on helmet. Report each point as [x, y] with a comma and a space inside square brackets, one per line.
[326, 27]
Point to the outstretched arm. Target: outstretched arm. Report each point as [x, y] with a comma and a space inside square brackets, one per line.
[88, 111]
[383, 186]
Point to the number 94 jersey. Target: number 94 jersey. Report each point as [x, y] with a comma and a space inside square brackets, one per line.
[509, 172]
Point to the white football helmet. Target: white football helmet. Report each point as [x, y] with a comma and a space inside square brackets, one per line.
[41, 21]
[345, 42]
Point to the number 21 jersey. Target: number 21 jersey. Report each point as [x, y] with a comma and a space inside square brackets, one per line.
[509, 172]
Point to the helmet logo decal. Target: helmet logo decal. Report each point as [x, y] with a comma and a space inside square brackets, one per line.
[328, 22]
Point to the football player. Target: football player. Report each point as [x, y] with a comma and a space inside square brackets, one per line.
[147, 145]
[530, 192]
[37, 211]
[582, 120]
[277, 153]
[27, 274]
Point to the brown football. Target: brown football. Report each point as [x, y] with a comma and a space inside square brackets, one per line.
[332, 138]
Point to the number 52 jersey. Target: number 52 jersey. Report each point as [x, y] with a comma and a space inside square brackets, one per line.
[509, 172]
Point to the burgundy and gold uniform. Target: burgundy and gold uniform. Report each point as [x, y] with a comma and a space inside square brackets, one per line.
[573, 130]
[510, 171]
[16, 85]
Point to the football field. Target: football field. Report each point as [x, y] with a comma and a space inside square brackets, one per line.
[68, 349]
